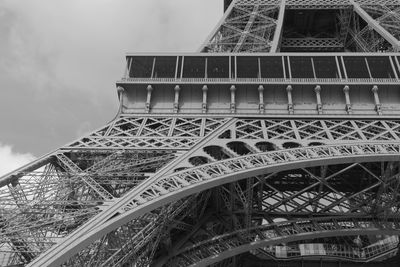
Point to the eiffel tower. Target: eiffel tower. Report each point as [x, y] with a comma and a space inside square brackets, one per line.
[276, 144]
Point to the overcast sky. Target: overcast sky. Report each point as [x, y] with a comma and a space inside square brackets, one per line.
[59, 60]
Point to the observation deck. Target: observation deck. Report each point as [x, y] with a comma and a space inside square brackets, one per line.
[258, 83]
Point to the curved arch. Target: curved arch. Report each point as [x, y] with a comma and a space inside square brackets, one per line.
[216, 152]
[266, 146]
[161, 190]
[288, 145]
[227, 245]
[239, 147]
[198, 160]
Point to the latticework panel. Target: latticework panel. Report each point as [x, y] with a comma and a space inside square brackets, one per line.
[48, 199]
[46, 204]
[69, 187]
[179, 190]
[386, 14]
[246, 28]
[149, 133]
[216, 248]
[256, 26]
[304, 188]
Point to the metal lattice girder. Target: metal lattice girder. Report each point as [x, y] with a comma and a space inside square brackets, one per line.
[43, 205]
[386, 27]
[167, 189]
[180, 184]
[132, 132]
[71, 166]
[276, 130]
[316, 43]
[249, 28]
[120, 172]
[147, 234]
[302, 4]
[238, 30]
[66, 188]
[279, 132]
[224, 246]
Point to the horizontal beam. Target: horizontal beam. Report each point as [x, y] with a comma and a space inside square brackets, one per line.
[227, 245]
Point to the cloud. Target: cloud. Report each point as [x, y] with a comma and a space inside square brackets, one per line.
[10, 160]
[59, 60]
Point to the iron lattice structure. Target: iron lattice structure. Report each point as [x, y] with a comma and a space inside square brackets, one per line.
[256, 150]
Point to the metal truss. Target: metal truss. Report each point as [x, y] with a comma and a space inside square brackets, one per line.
[65, 190]
[48, 199]
[247, 27]
[268, 236]
[315, 44]
[200, 189]
[383, 17]
[363, 37]
[284, 133]
[132, 132]
[256, 26]
[162, 189]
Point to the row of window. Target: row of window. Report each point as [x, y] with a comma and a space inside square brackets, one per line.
[263, 67]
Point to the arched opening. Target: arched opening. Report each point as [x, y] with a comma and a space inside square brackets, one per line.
[239, 148]
[216, 152]
[199, 160]
[288, 145]
[194, 182]
[266, 146]
[316, 144]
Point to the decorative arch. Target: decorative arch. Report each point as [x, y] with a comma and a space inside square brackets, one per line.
[266, 146]
[239, 147]
[163, 189]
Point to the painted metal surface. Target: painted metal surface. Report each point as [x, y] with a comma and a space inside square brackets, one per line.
[285, 131]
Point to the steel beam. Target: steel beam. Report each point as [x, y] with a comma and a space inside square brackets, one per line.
[376, 26]
[278, 29]
[139, 201]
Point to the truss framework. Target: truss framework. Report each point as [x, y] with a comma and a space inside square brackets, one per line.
[250, 26]
[165, 190]
[71, 186]
[224, 246]
[186, 182]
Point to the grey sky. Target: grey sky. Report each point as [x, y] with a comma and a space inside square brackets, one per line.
[59, 60]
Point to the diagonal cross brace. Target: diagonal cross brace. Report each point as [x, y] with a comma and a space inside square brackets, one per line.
[376, 26]
[70, 165]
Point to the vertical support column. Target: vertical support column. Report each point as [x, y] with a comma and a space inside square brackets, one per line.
[176, 101]
[261, 96]
[278, 29]
[120, 91]
[346, 91]
[376, 99]
[318, 95]
[128, 68]
[338, 69]
[153, 67]
[290, 100]
[148, 100]
[233, 101]
[204, 104]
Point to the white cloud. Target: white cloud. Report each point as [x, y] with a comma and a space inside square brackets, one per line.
[10, 160]
[59, 59]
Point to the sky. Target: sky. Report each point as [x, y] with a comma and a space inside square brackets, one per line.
[60, 59]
